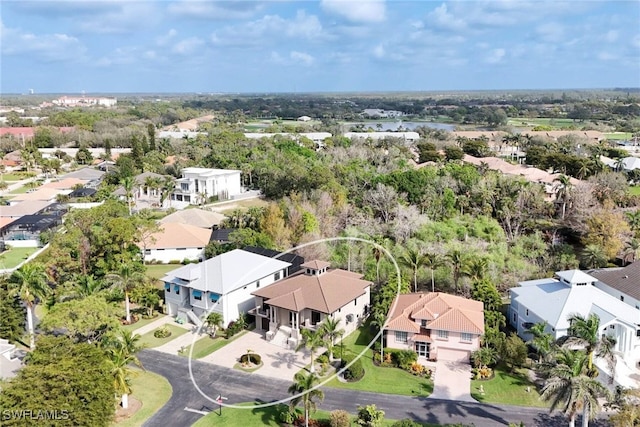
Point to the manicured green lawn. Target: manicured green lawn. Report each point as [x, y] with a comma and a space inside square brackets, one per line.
[207, 345]
[149, 341]
[619, 136]
[15, 176]
[508, 389]
[269, 416]
[634, 190]
[14, 256]
[153, 391]
[158, 271]
[378, 379]
[140, 323]
[542, 121]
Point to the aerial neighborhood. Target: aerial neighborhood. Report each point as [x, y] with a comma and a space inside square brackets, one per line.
[475, 258]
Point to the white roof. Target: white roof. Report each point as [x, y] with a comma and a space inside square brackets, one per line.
[631, 163]
[226, 272]
[379, 135]
[208, 172]
[576, 276]
[310, 135]
[555, 301]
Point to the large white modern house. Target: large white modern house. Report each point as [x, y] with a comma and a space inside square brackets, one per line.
[570, 292]
[197, 184]
[222, 284]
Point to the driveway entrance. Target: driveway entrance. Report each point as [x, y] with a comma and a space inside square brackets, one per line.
[452, 381]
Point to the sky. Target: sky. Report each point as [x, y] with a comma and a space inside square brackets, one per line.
[243, 46]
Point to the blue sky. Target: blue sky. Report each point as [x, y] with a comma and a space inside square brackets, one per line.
[316, 46]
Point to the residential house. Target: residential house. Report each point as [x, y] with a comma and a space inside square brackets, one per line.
[622, 283]
[570, 292]
[406, 136]
[304, 300]
[317, 138]
[175, 242]
[31, 207]
[198, 217]
[197, 184]
[222, 284]
[9, 363]
[49, 195]
[25, 231]
[435, 325]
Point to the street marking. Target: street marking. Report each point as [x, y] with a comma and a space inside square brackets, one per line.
[196, 411]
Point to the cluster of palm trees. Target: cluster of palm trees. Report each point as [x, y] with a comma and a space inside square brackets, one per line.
[567, 366]
[324, 335]
[165, 187]
[121, 349]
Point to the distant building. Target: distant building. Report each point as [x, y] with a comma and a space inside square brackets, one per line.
[406, 136]
[83, 101]
[199, 183]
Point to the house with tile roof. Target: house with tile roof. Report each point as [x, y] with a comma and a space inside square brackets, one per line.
[175, 242]
[305, 299]
[198, 217]
[222, 284]
[435, 325]
[570, 292]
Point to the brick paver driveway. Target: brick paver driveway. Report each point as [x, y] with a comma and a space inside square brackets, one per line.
[278, 362]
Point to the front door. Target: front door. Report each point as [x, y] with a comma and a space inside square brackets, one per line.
[292, 319]
[422, 348]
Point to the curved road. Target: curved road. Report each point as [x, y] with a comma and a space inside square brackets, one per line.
[240, 387]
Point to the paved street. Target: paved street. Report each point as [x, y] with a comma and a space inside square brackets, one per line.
[242, 387]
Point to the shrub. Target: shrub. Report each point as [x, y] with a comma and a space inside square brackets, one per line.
[162, 332]
[405, 423]
[339, 418]
[420, 370]
[286, 415]
[355, 372]
[251, 358]
[323, 358]
[482, 373]
[405, 358]
[369, 416]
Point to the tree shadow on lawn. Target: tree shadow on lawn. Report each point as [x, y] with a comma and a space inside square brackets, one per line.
[458, 409]
[269, 414]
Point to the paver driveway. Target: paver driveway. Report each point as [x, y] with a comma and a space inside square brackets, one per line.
[452, 381]
[278, 362]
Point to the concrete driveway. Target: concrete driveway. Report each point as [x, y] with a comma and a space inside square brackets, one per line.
[452, 381]
[278, 362]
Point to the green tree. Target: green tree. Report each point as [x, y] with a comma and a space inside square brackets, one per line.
[486, 291]
[214, 321]
[127, 184]
[569, 388]
[541, 340]
[631, 251]
[593, 256]
[126, 278]
[514, 351]
[331, 331]
[151, 134]
[121, 351]
[64, 377]
[369, 416]
[312, 341]
[305, 393]
[564, 192]
[13, 314]
[457, 261]
[29, 282]
[585, 332]
[432, 261]
[414, 259]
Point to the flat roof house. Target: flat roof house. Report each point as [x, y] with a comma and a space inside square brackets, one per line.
[201, 183]
[435, 325]
[304, 300]
[222, 284]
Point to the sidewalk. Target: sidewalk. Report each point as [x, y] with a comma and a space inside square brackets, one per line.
[183, 341]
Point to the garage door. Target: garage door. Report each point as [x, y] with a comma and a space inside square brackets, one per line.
[453, 355]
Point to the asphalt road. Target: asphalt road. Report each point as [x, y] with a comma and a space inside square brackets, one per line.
[243, 387]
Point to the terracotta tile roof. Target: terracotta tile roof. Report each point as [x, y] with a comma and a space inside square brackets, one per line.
[325, 293]
[197, 217]
[64, 184]
[442, 311]
[176, 235]
[315, 264]
[40, 194]
[422, 338]
[6, 221]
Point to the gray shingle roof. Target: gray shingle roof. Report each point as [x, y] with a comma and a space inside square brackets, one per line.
[626, 280]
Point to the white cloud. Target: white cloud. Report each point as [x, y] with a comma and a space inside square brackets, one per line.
[366, 11]
[495, 56]
[47, 47]
[124, 17]
[441, 18]
[551, 32]
[187, 46]
[163, 40]
[216, 10]
[607, 56]
[119, 56]
[379, 51]
[611, 36]
[302, 58]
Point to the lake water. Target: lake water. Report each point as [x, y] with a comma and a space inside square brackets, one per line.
[394, 126]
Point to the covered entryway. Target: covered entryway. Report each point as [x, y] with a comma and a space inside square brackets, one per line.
[453, 355]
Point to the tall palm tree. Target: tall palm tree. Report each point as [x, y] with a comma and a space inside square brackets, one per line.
[305, 393]
[593, 256]
[631, 250]
[122, 350]
[166, 189]
[311, 340]
[214, 320]
[541, 340]
[127, 185]
[378, 319]
[457, 260]
[476, 268]
[29, 282]
[633, 218]
[377, 253]
[413, 258]
[126, 279]
[562, 194]
[569, 387]
[585, 332]
[330, 330]
[432, 261]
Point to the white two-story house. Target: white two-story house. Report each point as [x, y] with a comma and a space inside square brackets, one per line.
[222, 284]
[198, 184]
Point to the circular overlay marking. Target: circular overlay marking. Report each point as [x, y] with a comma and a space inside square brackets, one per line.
[218, 401]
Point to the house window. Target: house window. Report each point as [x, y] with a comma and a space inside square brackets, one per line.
[182, 249]
[214, 297]
[515, 317]
[638, 333]
[276, 276]
[315, 317]
[402, 337]
[147, 251]
[355, 301]
[258, 284]
[621, 297]
[527, 312]
[466, 337]
[176, 288]
[443, 335]
[423, 323]
[167, 287]
[184, 187]
[197, 295]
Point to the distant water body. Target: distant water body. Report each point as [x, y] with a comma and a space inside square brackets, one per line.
[394, 126]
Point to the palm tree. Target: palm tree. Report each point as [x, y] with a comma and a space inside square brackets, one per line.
[377, 255]
[378, 319]
[476, 268]
[126, 279]
[305, 393]
[563, 192]
[121, 350]
[311, 340]
[29, 282]
[414, 259]
[166, 189]
[127, 185]
[633, 218]
[568, 387]
[585, 332]
[432, 261]
[214, 320]
[541, 340]
[631, 250]
[593, 256]
[330, 330]
[457, 261]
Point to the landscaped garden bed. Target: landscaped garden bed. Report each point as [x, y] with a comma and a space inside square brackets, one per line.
[149, 340]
